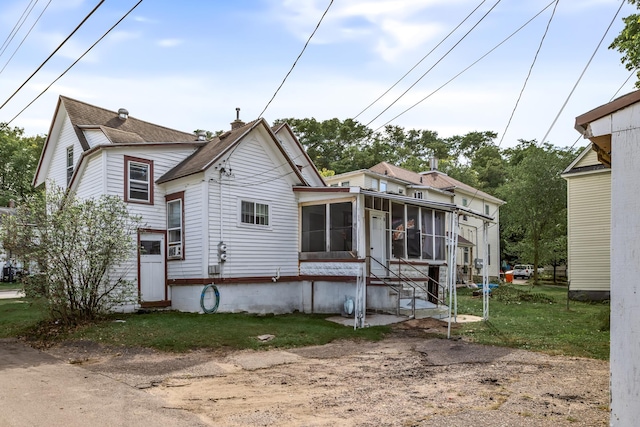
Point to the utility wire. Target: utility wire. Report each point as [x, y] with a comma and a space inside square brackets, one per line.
[75, 62]
[53, 53]
[17, 27]
[296, 61]
[583, 72]
[623, 84]
[463, 71]
[611, 99]
[419, 62]
[535, 58]
[25, 37]
[437, 62]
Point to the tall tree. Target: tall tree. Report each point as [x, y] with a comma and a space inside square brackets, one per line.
[628, 42]
[534, 219]
[18, 161]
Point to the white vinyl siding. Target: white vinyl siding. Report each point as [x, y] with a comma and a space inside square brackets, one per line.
[95, 137]
[589, 231]
[255, 251]
[164, 158]
[58, 169]
[90, 182]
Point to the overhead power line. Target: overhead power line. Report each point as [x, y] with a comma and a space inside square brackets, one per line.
[53, 53]
[515, 107]
[25, 37]
[466, 69]
[75, 62]
[437, 62]
[583, 72]
[17, 27]
[423, 58]
[296, 61]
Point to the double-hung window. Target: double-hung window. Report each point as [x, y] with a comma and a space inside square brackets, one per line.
[254, 213]
[138, 180]
[175, 225]
[69, 164]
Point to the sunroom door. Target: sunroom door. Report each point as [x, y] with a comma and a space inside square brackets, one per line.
[378, 243]
[151, 258]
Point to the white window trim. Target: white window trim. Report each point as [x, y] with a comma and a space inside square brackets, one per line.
[69, 165]
[254, 225]
[179, 244]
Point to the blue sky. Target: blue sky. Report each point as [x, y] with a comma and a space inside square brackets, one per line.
[187, 65]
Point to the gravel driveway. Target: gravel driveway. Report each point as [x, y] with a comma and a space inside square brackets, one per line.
[407, 379]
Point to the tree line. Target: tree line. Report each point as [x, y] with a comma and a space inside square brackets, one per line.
[533, 222]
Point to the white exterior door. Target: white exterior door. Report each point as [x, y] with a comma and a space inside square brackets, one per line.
[152, 267]
[378, 243]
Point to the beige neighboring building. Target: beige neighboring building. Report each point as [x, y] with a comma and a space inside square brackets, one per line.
[437, 186]
[588, 227]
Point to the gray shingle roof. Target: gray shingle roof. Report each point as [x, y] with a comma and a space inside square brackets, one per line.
[202, 158]
[130, 130]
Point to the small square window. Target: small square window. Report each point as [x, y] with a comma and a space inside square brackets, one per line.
[254, 213]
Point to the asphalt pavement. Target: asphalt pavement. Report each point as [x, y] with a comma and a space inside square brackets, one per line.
[37, 389]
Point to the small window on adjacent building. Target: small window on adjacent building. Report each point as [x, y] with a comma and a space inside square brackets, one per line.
[254, 213]
[400, 191]
[486, 209]
[69, 164]
[175, 225]
[383, 186]
[417, 195]
[465, 202]
[138, 180]
[344, 184]
[374, 184]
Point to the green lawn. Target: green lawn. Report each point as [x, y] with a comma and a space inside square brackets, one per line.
[519, 316]
[538, 319]
[17, 317]
[173, 331]
[10, 285]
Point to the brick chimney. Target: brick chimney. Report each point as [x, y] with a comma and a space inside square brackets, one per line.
[237, 123]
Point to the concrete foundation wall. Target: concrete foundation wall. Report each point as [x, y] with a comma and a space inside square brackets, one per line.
[279, 298]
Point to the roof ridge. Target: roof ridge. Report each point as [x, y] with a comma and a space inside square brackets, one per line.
[63, 97]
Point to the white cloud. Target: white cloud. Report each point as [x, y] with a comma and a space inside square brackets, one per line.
[122, 36]
[170, 42]
[388, 28]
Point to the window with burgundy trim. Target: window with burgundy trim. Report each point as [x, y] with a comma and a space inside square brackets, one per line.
[138, 180]
[175, 225]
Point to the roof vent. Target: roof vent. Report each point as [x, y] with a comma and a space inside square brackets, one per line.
[123, 114]
[237, 123]
[202, 135]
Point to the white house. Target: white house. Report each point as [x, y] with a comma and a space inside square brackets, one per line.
[249, 212]
[588, 227]
[434, 185]
[614, 130]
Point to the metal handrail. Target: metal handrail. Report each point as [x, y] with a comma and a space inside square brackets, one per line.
[407, 278]
[395, 288]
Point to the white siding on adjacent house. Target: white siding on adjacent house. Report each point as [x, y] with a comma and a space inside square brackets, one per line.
[590, 158]
[589, 234]
[254, 250]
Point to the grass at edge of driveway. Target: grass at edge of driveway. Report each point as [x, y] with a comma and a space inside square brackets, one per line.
[179, 332]
[536, 318]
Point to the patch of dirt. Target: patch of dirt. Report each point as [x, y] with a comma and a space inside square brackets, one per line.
[410, 378]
